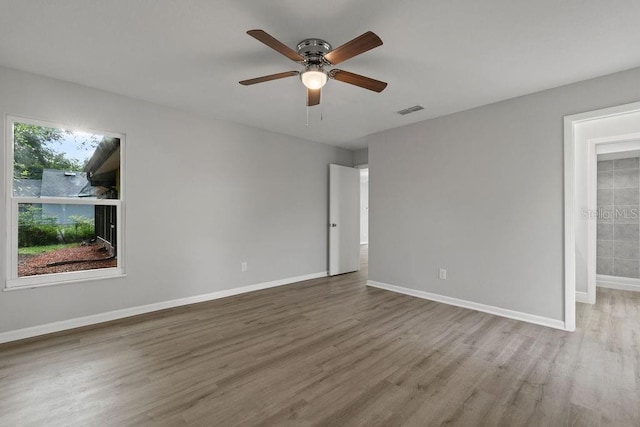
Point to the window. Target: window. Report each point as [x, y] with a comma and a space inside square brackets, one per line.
[65, 204]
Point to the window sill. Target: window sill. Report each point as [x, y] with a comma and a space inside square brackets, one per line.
[31, 282]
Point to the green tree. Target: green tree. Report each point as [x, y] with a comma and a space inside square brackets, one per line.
[34, 151]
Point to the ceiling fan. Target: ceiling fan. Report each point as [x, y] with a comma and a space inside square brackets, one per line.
[315, 55]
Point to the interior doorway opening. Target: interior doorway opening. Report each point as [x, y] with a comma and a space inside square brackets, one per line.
[364, 206]
[583, 133]
[364, 219]
[614, 240]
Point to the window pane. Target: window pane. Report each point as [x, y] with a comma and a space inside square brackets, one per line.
[54, 162]
[56, 238]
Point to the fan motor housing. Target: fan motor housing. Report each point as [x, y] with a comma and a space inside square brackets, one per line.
[313, 50]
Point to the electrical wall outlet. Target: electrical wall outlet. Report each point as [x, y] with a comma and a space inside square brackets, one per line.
[442, 274]
[243, 266]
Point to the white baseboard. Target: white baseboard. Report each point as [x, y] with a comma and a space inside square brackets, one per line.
[582, 297]
[621, 283]
[503, 312]
[134, 311]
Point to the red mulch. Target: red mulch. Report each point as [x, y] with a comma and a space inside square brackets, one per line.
[31, 265]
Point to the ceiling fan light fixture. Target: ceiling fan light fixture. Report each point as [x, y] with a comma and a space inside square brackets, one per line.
[314, 54]
[314, 78]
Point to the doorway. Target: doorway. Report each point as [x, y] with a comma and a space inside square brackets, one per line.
[614, 239]
[344, 219]
[583, 132]
[364, 206]
[364, 217]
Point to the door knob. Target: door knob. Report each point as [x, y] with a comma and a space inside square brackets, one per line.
[334, 225]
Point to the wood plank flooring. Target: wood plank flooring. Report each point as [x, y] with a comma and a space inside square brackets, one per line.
[330, 352]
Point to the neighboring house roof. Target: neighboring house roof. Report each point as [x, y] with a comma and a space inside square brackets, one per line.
[27, 187]
[59, 183]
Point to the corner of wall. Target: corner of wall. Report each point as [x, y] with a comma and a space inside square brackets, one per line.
[361, 157]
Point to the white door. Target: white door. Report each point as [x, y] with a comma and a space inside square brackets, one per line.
[344, 219]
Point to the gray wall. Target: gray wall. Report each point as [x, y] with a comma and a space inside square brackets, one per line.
[222, 194]
[618, 246]
[480, 193]
[361, 157]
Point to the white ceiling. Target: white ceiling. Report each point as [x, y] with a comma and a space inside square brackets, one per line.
[445, 55]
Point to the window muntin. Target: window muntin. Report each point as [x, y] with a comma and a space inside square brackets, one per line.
[65, 204]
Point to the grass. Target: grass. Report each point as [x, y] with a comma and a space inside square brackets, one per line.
[36, 250]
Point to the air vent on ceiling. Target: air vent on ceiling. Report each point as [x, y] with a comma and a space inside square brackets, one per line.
[410, 110]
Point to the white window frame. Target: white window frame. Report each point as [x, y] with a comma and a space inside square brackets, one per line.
[12, 281]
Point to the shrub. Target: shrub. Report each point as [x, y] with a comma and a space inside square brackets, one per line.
[77, 232]
[36, 229]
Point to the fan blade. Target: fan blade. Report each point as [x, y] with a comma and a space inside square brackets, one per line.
[313, 97]
[276, 45]
[359, 45]
[357, 80]
[269, 78]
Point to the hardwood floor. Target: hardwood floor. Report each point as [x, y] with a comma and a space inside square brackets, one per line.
[330, 352]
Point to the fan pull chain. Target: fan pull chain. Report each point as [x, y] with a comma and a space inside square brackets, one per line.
[307, 116]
